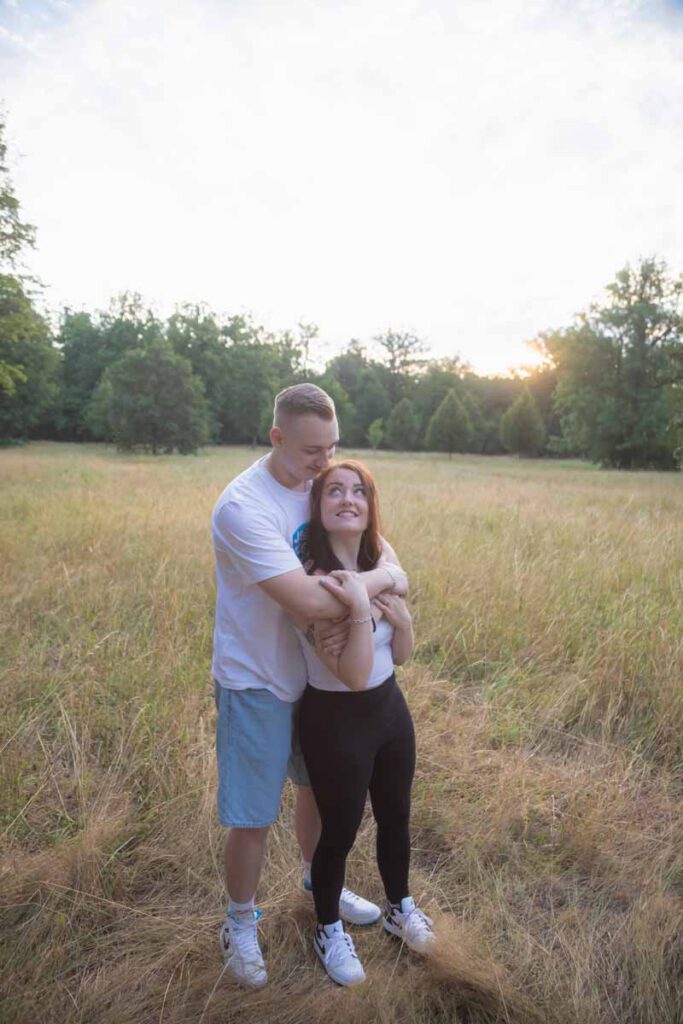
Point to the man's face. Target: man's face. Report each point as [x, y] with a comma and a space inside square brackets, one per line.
[305, 445]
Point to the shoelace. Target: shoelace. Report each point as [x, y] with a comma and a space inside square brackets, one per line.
[350, 897]
[417, 922]
[340, 947]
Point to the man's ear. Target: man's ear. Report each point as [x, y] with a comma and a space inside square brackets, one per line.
[276, 436]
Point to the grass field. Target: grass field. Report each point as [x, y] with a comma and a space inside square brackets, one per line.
[547, 691]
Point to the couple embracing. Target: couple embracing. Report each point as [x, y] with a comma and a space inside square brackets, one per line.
[310, 621]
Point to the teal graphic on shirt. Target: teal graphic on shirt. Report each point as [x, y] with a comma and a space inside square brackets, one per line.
[298, 540]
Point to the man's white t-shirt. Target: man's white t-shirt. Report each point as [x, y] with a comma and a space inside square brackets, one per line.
[257, 527]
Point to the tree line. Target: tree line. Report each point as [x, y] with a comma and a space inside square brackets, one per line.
[610, 388]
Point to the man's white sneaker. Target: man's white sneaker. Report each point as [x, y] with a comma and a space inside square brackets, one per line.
[353, 908]
[241, 951]
[411, 925]
[337, 954]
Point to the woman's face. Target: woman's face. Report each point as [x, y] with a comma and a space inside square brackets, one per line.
[343, 503]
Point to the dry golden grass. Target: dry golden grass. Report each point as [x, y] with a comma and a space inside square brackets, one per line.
[547, 694]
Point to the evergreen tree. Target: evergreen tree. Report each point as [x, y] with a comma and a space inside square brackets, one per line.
[450, 428]
[402, 426]
[472, 407]
[439, 377]
[150, 400]
[493, 396]
[376, 433]
[521, 427]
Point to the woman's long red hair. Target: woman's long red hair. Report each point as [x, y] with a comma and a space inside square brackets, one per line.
[318, 553]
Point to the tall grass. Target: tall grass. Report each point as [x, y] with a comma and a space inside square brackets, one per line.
[547, 690]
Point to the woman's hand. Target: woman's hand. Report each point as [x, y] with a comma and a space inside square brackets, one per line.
[348, 588]
[394, 609]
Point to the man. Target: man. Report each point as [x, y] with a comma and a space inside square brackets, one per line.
[258, 523]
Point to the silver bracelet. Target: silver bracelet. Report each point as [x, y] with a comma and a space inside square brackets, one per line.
[361, 622]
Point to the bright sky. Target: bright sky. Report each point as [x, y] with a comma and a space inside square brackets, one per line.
[470, 170]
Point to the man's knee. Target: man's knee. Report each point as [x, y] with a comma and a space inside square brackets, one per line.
[242, 838]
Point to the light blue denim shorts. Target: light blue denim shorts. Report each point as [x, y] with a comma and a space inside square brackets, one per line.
[257, 747]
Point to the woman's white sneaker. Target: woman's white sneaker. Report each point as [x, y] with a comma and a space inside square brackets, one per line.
[241, 950]
[409, 923]
[337, 954]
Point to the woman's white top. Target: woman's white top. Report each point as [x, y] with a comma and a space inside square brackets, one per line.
[320, 677]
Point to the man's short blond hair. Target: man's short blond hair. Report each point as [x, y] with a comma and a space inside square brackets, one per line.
[303, 400]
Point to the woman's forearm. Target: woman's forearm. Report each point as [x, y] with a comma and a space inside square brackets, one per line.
[354, 664]
[402, 643]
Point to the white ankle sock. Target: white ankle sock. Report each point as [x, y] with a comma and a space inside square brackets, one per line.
[240, 908]
[330, 929]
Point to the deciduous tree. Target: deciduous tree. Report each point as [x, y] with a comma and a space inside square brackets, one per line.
[20, 325]
[620, 371]
[150, 400]
[28, 405]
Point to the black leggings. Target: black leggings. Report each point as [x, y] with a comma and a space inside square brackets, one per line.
[354, 742]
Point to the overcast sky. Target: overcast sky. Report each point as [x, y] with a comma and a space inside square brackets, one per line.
[474, 171]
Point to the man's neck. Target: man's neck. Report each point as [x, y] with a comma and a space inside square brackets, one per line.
[280, 474]
[346, 549]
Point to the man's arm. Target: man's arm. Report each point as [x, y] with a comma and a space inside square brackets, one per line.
[389, 555]
[333, 636]
[253, 541]
[311, 598]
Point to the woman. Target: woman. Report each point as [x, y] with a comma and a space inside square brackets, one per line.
[356, 732]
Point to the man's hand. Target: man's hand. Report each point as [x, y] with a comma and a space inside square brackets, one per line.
[331, 636]
[397, 580]
[394, 608]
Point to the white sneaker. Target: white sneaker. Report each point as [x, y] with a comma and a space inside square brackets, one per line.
[410, 925]
[241, 951]
[337, 954]
[353, 908]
